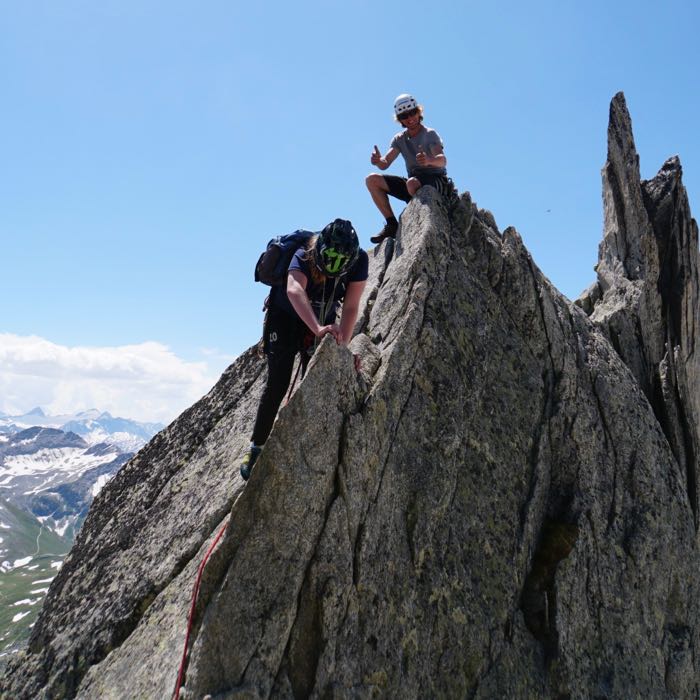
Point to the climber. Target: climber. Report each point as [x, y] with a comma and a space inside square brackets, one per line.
[426, 164]
[329, 269]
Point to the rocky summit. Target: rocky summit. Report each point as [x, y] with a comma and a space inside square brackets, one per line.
[502, 503]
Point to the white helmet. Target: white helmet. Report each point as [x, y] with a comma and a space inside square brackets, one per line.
[404, 103]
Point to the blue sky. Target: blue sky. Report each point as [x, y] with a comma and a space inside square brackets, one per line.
[150, 150]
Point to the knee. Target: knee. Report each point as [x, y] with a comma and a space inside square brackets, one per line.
[413, 184]
[273, 393]
[374, 181]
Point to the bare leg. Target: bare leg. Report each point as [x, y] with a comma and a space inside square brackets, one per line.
[376, 184]
[413, 184]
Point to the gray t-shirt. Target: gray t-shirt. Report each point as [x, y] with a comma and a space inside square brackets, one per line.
[426, 140]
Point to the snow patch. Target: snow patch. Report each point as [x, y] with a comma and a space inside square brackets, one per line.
[101, 481]
[126, 442]
[4, 527]
[60, 530]
[39, 591]
[19, 616]
[56, 564]
[49, 467]
[66, 459]
[21, 562]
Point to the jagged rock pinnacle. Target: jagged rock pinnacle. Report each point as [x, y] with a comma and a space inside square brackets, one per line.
[626, 228]
[647, 297]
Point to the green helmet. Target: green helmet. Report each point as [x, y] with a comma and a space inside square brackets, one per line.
[337, 248]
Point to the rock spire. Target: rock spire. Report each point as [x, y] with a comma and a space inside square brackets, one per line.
[647, 296]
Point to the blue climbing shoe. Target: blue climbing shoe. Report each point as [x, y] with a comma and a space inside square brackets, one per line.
[249, 461]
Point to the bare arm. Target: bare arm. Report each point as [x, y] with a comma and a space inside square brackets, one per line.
[351, 305]
[383, 162]
[296, 291]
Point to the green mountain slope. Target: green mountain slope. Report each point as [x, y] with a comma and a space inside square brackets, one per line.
[30, 556]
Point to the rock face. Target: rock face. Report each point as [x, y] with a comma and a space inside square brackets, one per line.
[493, 507]
[647, 296]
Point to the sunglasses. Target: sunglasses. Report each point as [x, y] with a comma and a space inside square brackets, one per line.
[408, 115]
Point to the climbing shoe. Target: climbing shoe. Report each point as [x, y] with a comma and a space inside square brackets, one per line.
[389, 231]
[249, 461]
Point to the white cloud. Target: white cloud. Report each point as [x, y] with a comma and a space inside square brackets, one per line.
[146, 382]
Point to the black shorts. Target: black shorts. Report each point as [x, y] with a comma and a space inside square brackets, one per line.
[397, 185]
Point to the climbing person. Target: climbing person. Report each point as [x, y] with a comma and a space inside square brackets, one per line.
[426, 163]
[328, 269]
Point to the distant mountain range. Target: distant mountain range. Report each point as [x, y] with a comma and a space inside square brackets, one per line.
[51, 468]
[93, 425]
[54, 475]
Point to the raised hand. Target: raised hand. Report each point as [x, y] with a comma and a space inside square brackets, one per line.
[422, 158]
[376, 157]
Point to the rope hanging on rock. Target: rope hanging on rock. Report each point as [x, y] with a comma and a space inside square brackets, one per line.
[190, 618]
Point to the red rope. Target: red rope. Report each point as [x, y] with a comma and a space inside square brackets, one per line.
[195, 594]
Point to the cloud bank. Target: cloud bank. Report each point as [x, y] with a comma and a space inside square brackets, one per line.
[145, 382]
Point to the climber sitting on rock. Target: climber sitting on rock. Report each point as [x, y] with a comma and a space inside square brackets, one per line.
[331, 268]
[426, 164]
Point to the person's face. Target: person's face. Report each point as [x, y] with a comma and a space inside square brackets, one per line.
[410, 119]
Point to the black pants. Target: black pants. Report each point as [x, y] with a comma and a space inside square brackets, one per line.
[284, 336]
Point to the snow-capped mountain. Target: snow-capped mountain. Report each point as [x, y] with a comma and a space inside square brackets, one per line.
[54, 475]
[51, 468]
[48, 479]
[93, 426]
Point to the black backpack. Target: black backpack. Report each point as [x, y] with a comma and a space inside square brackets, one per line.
[273, 264]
